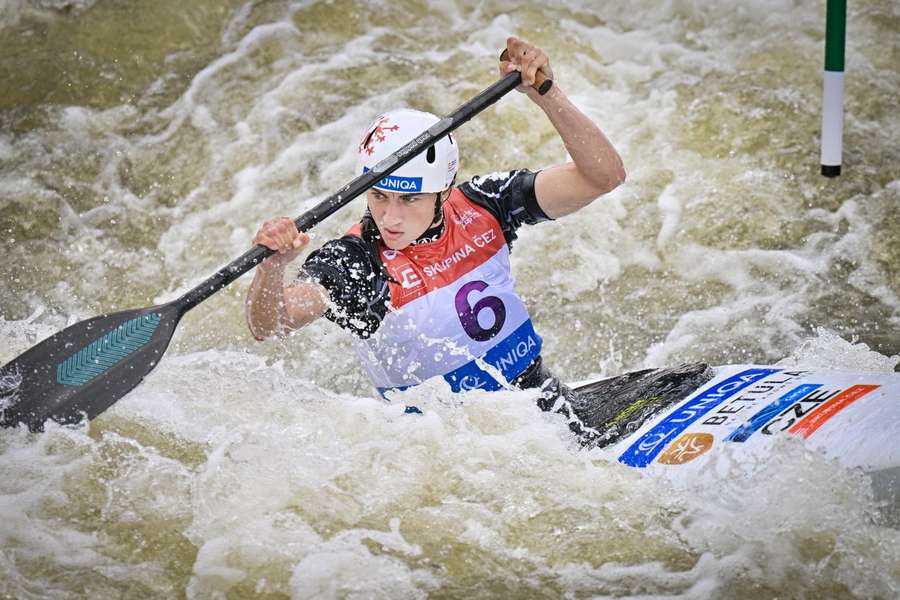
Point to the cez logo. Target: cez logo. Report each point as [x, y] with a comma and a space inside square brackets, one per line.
[409, 278]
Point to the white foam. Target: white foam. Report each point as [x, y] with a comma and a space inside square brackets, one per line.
[12, 11]
[275, 463]
[828, 350]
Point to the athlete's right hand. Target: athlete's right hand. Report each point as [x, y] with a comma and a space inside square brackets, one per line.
[280, 234]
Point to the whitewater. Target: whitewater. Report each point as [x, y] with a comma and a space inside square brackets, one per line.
[142, 144]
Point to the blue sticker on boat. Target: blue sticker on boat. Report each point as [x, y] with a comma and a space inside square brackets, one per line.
[757, 421]
[645, 449]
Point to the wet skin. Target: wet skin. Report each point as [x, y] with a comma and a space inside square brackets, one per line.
[401, 218]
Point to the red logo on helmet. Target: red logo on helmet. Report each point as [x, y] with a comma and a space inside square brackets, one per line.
[376, 134]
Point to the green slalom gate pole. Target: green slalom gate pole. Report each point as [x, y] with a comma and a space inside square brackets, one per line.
[833, 97]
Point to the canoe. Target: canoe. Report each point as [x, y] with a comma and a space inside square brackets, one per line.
[673, 421]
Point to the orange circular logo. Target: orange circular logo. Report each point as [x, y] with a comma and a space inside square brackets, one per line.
[686, 448]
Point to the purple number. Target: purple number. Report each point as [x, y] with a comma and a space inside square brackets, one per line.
[468, 315]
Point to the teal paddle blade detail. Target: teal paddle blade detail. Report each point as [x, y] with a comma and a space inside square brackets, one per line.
[104, 352]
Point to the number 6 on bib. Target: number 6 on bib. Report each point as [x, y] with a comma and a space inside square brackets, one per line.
[468, 315]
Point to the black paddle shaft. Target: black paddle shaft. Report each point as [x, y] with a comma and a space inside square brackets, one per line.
[343, 196]
[85, 368]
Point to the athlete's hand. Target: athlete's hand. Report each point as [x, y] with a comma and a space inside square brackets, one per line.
[281, 235]
[528, 59]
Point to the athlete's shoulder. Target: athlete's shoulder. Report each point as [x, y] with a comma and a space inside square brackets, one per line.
[499, 184]
[510, 196]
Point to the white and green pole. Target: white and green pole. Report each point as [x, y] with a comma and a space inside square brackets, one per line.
[833, 104]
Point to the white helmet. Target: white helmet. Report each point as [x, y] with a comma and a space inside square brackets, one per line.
[430, 171]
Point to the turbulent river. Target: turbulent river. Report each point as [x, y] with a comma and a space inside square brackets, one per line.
[142, 144]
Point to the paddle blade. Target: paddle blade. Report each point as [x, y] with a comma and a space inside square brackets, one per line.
[82, 370]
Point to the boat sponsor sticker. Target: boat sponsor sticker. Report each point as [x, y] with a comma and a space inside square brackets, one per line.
[686, 448]
[751, 398]
[801, 411]
[831, 407]
[770, 411]
[744, 406]
[649, 445]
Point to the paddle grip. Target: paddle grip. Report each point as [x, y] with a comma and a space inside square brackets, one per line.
[541, 83]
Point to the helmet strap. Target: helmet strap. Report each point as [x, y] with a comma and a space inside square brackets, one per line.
[439, 204]
[438, 209]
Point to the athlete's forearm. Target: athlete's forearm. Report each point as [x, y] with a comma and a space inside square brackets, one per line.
[594, 156]
[265, 306]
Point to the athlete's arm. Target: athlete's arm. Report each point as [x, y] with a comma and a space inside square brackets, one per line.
[273, 308]
[596, 167]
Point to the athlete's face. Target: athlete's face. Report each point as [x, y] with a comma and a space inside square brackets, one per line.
[401, 218]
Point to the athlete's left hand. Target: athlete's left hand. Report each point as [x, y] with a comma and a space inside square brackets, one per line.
[529, 59]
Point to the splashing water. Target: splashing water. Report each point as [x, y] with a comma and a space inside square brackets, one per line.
[140, 148]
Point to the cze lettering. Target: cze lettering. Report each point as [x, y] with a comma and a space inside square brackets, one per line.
[797, 411]
[468, 314]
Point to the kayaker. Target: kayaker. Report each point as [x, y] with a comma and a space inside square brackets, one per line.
[423, 282]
